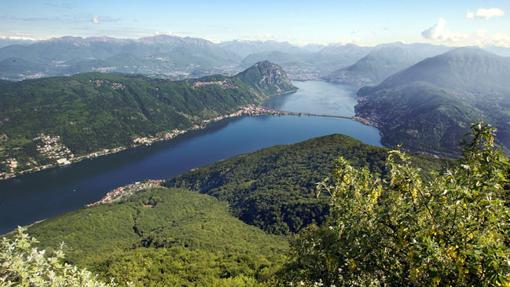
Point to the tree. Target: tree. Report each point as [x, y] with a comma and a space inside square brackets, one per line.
[450, 228]
[21, 264]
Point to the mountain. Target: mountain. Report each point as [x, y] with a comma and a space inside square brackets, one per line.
[246, 48]
[163, 55]
[180, 238]
[382, 62]
[430, 106]
[50, 120]
[305, 64]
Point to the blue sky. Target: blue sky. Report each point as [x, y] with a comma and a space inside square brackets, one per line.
[365, 22]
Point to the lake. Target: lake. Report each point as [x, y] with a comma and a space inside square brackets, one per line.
[48, 193]
[317, 97]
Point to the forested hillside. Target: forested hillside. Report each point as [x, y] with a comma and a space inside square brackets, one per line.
[274, 188]
[164, 237]
[46, 120]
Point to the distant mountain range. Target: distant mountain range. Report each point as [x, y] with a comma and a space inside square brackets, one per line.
[164, 56]
[54, 119]
[173, 57]
[430, 105]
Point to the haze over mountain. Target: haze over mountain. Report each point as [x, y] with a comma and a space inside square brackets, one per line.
[163, 55]
[430, 106]
[306, 64]
[174, 57]
[8, 41]
[382, 62]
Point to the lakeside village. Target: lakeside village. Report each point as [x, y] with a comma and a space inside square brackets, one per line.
[123, 192]
[52, 148]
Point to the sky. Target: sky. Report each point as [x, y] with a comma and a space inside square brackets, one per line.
[364, 22]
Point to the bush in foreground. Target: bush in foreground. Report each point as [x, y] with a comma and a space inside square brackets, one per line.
[402, 230]
[21, 264]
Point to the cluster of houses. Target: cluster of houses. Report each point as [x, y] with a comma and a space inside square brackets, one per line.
[161, 136]
[250, 110]
[128, 190]
[225, 84]
[113, 85]
[52, 148]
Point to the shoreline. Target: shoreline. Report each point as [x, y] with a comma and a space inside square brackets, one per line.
[378, 126]
[250, 110]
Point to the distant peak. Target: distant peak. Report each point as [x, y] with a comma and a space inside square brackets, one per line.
[469, 51]
[267, 76]
[266, 64]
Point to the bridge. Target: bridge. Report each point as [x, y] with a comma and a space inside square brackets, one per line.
[283, 113]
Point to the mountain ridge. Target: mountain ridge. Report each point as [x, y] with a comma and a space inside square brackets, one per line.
[430, 106]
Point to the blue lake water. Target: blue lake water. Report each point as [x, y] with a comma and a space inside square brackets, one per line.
[48, 193]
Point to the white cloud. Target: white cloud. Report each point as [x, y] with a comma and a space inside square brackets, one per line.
[485, 13]
[95, 19]
[440, 33]
[17, 36]
[436, 32]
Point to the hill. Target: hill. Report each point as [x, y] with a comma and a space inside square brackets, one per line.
[274, 188]
[382, 62]
[167, 237]
[430, 106]
[56, 120]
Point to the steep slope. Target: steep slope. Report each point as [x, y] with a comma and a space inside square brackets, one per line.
[274, 188]
[430, 106]
[383, 61]
[168, 237]
[47, 119]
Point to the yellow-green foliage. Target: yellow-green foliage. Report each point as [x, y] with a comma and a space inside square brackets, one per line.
[402, 230]
[21, 264]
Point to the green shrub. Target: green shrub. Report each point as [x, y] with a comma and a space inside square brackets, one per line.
[24, 265]
[399, 229]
